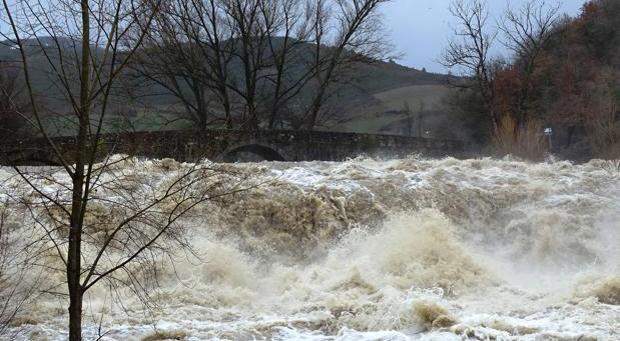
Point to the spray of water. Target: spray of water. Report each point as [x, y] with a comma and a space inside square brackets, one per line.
[376, 250]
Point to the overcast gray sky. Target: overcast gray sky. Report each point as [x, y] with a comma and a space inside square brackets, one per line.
[420, 28]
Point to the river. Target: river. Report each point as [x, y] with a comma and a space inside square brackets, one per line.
[410, 249]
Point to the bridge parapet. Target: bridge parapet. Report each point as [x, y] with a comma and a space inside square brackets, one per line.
[225, 145]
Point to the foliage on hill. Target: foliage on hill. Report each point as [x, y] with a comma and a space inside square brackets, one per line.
[571, 85]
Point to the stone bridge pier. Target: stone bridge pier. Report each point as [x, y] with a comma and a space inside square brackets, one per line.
[232, 146]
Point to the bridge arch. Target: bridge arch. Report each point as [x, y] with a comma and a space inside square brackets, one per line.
[250, 153]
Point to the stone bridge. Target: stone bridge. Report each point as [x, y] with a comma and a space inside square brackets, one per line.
[232, 146]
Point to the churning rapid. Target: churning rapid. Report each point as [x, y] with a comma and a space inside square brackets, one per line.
[371, 250]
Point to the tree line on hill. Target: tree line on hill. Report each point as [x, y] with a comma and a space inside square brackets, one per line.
[560, 86]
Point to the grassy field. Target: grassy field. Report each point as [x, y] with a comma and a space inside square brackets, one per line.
[382, 112]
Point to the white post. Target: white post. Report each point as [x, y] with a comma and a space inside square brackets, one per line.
[548, 133]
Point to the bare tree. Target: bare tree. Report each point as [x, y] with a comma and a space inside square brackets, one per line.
[175, 72]
[470, 49]
[526, 31]
[357, 37]
[252, 59]
[87, 45]
[190, 49]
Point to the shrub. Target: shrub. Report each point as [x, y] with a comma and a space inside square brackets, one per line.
[525, 141]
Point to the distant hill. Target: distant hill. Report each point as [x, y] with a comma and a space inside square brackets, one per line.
[390, 98]
[382, 97]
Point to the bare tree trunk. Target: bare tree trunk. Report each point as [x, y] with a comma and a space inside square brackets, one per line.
[202, 107]
[227, 112]
[75, 314]
[74, 257]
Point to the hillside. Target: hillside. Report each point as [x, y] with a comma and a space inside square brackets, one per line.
[386, 97]
[380, 97]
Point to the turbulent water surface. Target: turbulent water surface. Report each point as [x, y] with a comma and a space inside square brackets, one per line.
[374, 250]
